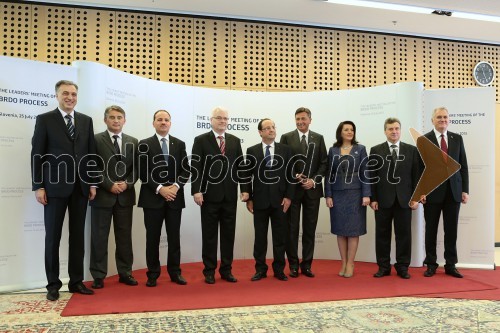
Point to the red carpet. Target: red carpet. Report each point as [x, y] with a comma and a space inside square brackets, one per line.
[326, 286]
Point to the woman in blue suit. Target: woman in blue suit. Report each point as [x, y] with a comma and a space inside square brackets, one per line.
[347, 193]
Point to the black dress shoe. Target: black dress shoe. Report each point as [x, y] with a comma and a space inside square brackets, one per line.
[294, 272]
[80, 289]
[259, 275]
[178, 279]
[404, 275]
[430, 272]
[53, 295]
[151, 282]
[98, 283]
[453, 272]
[382, 273]
[210, 279]
[281, 276]
[229, 277]
[307, 272]
[128, 280]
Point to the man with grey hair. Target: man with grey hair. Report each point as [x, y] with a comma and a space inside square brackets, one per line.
[447, 197]
[62, 147]
[114, 200]
[216, 160]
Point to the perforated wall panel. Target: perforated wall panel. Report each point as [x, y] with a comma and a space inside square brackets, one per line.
[236, 54]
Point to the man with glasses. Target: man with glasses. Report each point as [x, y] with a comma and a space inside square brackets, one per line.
[216, 158]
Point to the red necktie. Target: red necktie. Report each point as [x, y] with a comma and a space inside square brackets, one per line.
[222, 145]
[444, 147]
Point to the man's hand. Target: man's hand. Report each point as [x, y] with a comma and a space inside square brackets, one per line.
[116, 188]
[374, 205]
[413, 205]
[286, 204]
[465, 197]
[168, 192]
[250, 206]
[244, 196]
[92, 193]
[198, 198]
[365, 201]
[123, 186]
[41, 196]
[329, 202]
[307, 183]
[423, 199]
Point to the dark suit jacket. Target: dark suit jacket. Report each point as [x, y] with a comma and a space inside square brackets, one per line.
[316, 164]
[52, 144]
[406, 175]
[153, 171]
[347, 176]
[459, 182]
[204, 154]
[269, 185]
[127, 169]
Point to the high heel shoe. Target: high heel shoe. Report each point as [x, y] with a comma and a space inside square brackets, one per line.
[342, 271]
[349, 271]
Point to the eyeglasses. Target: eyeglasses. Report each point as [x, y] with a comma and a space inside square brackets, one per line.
[219, 118]
[268, 128]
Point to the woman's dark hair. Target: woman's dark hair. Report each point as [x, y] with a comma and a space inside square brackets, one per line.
[338, 134]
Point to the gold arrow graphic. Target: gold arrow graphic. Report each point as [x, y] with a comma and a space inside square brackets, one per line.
[439, 167]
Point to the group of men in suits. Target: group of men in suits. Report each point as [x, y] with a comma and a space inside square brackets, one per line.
[71, 167]
[397, 166]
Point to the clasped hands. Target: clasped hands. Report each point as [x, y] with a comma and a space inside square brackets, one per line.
[306, 183]
[118, 187]
[168, 192]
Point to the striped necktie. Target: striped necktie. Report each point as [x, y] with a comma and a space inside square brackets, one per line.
[222, 145]
[70, 126]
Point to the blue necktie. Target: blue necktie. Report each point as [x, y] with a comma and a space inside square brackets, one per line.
[267, 157]
[164, 149]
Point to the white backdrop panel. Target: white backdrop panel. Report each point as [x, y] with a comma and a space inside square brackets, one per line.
[472, 114]
[26, 90]
[22, 234]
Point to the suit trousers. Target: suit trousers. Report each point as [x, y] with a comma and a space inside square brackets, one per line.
[54, 213]
[213, 216]
[153, 220]
[279, 229]
[383, 235]
[432, 213]
[122, 226]
[310, 209]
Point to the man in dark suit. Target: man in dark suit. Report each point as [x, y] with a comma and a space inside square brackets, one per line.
[271, 191]
[395, 172]
[216, 160]
[114, 200]
[62, 144]
[310, 146]
[446, 198]
[163, 171]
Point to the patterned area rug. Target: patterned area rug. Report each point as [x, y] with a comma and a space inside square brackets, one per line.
[32, 313]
